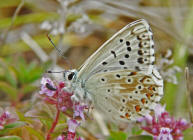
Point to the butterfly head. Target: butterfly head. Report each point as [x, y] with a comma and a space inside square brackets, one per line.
[70, 75]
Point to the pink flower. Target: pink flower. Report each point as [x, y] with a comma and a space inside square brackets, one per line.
[61, 97]
[159, 110]
[79, 138]
[79, 109]
[162, 126]
[6, 118]
[71, 136]
[72, 125]
[165, 134]
[61, 137]
[64, 98]
[55, 94]
[47, 87]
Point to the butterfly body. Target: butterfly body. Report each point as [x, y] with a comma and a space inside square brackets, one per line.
[120, 78]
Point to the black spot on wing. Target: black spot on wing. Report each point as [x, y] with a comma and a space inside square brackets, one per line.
[114, 54]
[121, 62]
[104, 63]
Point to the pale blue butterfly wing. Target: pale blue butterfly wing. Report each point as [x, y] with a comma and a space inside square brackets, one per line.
[125, 95]
[130, 48]
[113, 74]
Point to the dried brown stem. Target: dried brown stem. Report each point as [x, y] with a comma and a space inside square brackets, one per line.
[188, 94]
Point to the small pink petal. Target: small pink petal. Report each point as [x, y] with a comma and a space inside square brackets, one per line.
[79, 138]
[79, 111]
[44, 89]
[165, 134]
[63, 109]
[72, 125]
[60, 138]
[159, 110]
[1, 127]
[149, 119]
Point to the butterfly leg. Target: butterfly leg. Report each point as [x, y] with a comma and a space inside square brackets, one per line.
[78, 95]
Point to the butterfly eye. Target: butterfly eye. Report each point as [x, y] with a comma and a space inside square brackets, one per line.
[70, 76]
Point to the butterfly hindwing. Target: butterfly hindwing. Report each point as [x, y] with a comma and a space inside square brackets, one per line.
[125, 95]
[131, 48]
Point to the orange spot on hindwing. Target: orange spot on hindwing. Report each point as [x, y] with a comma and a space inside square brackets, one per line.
[137, 108]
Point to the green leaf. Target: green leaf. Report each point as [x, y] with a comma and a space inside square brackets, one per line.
[14, 125]
[28, 88]
[9, 3]
[36, 133]
[136, 131]
[28, 73]
[11, 76]
[5, 87]
[188, 135]
[10, 138]
[3, 132]
[29, 18]
[60, 127]
[34, 72]
[141, 137]
[118, 136]
[46, 122]
[7, 72]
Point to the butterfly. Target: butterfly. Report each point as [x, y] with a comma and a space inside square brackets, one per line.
[120, 77]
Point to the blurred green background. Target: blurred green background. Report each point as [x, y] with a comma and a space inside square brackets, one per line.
[78, 28]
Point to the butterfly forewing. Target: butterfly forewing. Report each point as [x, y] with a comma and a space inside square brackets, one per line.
[131, 48]
[125, 95]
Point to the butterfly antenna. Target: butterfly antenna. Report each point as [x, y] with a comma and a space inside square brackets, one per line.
[59, 51]
[49, 71]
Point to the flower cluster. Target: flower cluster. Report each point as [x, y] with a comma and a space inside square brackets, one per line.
[72, 125]
[162, 126]
[166, 67]
[6, 118]
[58, 95]
[79, 26]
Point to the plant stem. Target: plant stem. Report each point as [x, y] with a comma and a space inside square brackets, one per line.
[54, 123]
[188, 94]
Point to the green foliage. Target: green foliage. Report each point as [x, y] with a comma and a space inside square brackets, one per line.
[140, 137]
[9, 3]
[136, 131]
[123, 136]
[118, 136]
[180, 59]
[10, 138]
[35, 133]
[29, 18]
[8, 89]
[11, 126]
[18, 78]
[14, 125]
